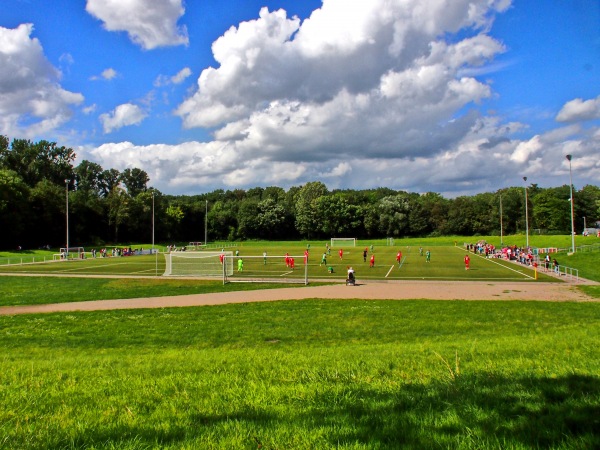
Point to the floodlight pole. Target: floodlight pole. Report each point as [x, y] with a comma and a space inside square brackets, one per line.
[67, 181]
[569, 157]
[152, 221]
[501, 239]
[206, 225]
[526, 216]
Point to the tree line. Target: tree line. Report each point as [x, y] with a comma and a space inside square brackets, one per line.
[39, 181]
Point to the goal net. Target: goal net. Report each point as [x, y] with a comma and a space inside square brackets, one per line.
[199, 264]
[390, 241]
[70, 253]
[346, 242]
[267, 269]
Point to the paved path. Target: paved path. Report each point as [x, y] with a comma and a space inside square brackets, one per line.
[372, 290]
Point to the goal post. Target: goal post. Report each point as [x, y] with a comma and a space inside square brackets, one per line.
[70, 253]
[266, 269]
[390, 241]
[198, 264]
[339, 242]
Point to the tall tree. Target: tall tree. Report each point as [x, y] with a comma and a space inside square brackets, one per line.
[39, 161]
[394, 214]
[135, 181]
[308, 222]
[118, 209]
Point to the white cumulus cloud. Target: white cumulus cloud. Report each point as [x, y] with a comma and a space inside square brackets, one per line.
[122, 116]
[578, 110]
[149, 23]
[32, 102]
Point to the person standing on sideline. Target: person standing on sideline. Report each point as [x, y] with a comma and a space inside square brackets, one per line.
[427, 256]
[399, 258]
[547, 262]
[372, 262]
[467, 262]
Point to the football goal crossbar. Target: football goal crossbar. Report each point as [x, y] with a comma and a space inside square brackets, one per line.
[345, 242]
[266, 269]
[198, 264]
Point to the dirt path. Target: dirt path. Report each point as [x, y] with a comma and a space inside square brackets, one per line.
[401, 290]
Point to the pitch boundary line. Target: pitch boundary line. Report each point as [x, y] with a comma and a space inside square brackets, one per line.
[502, 265]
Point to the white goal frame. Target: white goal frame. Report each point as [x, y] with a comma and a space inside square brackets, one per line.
[350, 241]
[69, 253]
[268, 262]
[198, 264]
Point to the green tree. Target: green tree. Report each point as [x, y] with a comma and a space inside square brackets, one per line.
[552, 210]
[109, 181]
[337, 216]
[38, 161]
[394, 215]
[118, 209]
[14, 197]
[135, 181]
[48, 207]
[308, 221]
[88, 177]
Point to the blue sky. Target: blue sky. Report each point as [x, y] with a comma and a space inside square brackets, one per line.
[451, 96]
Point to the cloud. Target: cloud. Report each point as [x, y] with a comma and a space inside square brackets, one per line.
[107, 74]
[178, 78]
[149, 23]
[122, 116]
[579, 110]
[32, 102]
[361, 94]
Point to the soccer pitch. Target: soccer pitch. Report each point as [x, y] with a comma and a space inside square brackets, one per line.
[446, 263]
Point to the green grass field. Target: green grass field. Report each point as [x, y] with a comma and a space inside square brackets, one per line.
[446, 264]
[305, 374]
[321, 374]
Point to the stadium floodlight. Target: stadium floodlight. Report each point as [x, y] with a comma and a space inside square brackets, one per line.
[206, 224]
[67, 181]
[526, 216]
[569, 157]
[152, 221]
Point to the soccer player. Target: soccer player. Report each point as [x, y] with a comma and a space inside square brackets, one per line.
[221, 258]
[421, 251]
[427, 256]
[287, 260]
[467, 262]
[240, 265]
[365, 251]
[399, 258]
[372, 261]
[265, 258]
[341, 253]
[291, 263]
[323, 259]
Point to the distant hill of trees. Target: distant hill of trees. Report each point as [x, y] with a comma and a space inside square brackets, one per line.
[108, 206]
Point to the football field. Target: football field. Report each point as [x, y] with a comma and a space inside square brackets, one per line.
[445, 263]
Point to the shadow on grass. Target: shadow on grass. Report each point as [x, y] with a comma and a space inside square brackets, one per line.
[470, 411]
[476, 411]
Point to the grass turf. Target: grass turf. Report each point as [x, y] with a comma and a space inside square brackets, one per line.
[306, 374]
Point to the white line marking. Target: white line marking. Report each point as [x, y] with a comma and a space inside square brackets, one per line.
[389, 271]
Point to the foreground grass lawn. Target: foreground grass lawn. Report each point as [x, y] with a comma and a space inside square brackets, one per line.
[305, 374]
[16, 291]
